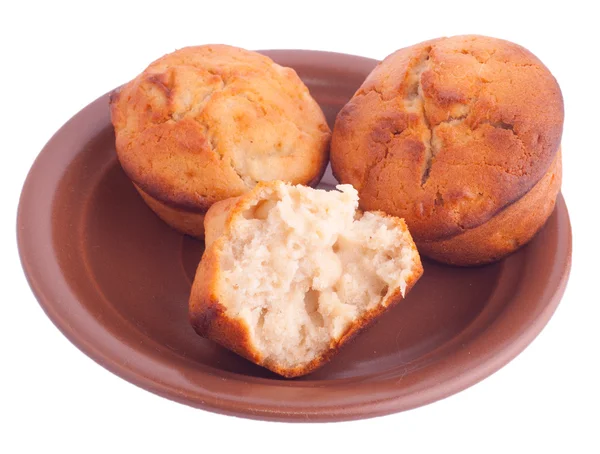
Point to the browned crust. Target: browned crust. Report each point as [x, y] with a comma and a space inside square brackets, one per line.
[506, 232]
[203, 123]
[209, 317]
[447, 133]
[216, 219]
[187, 222]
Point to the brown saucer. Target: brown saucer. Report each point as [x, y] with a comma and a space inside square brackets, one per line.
[115, 280]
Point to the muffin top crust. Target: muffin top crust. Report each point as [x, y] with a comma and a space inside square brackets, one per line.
[448, 132]
[208, 122]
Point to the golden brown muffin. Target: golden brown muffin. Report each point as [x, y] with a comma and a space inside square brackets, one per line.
[291, 273]
[447, 134]
[206, 123]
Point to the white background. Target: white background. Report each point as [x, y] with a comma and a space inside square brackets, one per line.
[55, 58]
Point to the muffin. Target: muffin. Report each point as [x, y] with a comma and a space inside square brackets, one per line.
[291, 273]
[207, 123]
[450, 134]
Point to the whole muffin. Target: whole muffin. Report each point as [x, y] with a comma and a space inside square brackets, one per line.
[207, 123]
[448, 134]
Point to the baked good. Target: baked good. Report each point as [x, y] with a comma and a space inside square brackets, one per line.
[206, 123]
[449, 133]
[291, 273]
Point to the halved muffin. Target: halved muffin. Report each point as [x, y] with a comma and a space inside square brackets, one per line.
[291, 273]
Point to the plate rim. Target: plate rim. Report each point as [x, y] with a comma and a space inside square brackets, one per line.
[88, 342]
